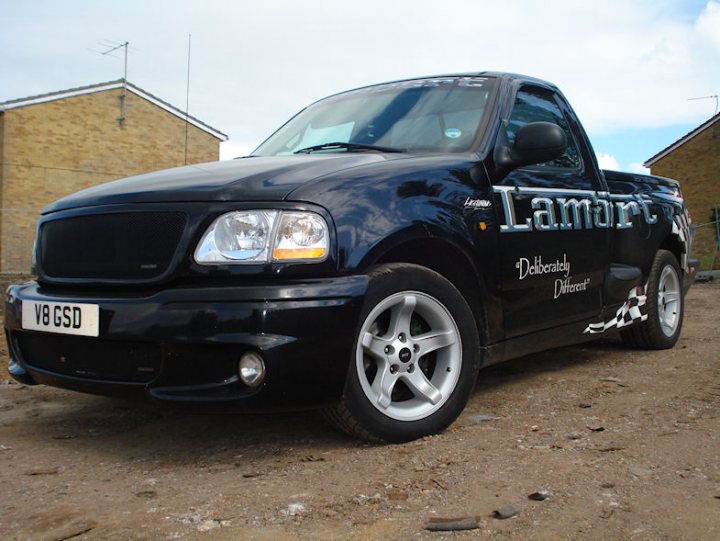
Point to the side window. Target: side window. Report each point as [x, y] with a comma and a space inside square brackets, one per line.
[535, 106]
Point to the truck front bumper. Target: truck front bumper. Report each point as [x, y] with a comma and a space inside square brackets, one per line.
[183, 344]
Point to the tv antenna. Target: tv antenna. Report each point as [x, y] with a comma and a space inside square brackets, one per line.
[710, 97]
[115, 48]
[187, 98]
[111, 48]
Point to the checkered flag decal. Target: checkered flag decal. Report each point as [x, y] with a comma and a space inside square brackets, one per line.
[627, 314]
[681, 228]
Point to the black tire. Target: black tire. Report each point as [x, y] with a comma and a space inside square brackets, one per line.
[665, 306]
[408, 310]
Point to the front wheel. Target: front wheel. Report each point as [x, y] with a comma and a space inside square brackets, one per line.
[665, 305]
[415, 359]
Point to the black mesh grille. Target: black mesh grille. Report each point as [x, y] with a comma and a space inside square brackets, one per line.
[132, 245]
[79, 356]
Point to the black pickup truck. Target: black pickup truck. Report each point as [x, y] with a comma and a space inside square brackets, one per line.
[368, 259]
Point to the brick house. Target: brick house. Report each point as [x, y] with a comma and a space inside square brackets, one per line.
[694, 160]
[55, 144]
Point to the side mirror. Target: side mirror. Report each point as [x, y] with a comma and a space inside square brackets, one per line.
[537, 142]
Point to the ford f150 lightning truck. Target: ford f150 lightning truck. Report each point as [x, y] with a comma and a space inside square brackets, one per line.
[369, 258]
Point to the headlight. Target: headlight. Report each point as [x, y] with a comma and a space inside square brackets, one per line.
[237, 237]
[300, 235]
[257, 236]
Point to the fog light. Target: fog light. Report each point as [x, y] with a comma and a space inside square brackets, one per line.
[251, 369]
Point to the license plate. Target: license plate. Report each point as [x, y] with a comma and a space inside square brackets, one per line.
[61, 317]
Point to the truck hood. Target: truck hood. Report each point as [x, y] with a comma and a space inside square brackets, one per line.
[244, 179]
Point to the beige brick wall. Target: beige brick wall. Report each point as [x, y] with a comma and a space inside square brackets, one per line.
[2, 171]
[696, 164]
[52, 149]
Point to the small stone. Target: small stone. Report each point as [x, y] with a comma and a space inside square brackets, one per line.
[294, 509]
[584, 405]
[149, 494]
[640, 472]
[575, 436]
[607, 485]
[482, 418]
[397, 495]
[207, 525]
[436, 524]
[610, 380]
[75, 529]
[505, 512]
[42, 471]
[596, 428]
[538, 496]
[611, 448]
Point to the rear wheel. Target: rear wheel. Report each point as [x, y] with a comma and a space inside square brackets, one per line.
[415, 358]
[665, 305]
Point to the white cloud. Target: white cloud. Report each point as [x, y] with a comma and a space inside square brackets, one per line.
[638, 168]
[708, 24]
[621, 63]
[232, 149]
[607, 161]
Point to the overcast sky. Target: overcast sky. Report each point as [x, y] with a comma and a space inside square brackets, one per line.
[628, 67]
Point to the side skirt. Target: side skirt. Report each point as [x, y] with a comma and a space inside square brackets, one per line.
[539, 341]
[612, 317]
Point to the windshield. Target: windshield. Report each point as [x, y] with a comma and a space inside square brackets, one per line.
[422, 115]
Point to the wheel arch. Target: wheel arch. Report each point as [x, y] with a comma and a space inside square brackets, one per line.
[673, 244]
[450, 261]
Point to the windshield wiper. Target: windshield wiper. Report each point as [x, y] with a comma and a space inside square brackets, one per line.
[347, 146]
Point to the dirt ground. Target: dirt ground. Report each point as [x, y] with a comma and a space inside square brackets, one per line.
[626, 443]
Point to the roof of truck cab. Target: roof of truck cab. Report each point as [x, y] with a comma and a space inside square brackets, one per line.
[490, 74]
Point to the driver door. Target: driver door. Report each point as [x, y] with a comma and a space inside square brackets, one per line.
[553, 257]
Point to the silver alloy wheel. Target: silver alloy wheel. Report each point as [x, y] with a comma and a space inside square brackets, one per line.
[409, 375]
[669, 300]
